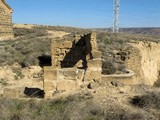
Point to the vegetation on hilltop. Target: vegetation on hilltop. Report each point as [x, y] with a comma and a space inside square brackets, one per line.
[32, 44]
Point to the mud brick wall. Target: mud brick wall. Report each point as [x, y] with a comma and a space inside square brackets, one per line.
[6, 29]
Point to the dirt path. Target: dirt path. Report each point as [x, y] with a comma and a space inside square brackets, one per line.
[54, 34]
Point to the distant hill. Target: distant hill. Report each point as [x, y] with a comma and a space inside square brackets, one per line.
[149, 31]
[143, 30]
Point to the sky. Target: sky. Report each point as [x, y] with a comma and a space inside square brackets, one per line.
[86, 13]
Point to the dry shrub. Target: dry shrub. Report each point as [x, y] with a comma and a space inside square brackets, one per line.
[47, 109]
[107, 44]
[108, 67]
[121, 114]
[79, 107]
[25, 52]
[30, 60]
[150, 100]
[34, 32]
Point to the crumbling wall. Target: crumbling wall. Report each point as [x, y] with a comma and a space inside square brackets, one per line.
[133, 63]
[127, 78]
[144, 60]
[6, 29]
[75, 59]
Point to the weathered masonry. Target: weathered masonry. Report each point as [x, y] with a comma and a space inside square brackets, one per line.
[6, 30]
[75, 60]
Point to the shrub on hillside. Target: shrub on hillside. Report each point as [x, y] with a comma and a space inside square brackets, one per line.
[108, 43]
[76, 107]
[30, 60]
[108, 67]
[24, 51]
[150, 100]
[30, 33]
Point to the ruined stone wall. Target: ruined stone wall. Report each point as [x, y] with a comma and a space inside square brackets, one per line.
[59, 48]
[133, 63]
[75, 59]
[93, 56]
[144, 60]
[6, 30]
[74, 51]
[127, 79]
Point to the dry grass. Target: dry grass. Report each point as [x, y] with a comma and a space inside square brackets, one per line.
[24, 51]
[14, 109]
[78, 107]
[150, 100]
[33, 44]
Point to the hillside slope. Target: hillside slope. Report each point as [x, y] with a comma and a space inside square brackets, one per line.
[21, 63]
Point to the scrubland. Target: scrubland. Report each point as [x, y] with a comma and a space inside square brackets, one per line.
[31, 47]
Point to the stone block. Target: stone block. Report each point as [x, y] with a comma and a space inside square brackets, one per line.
[94, 63]
[54, 62]
[96, 75]
[80, 75]
[61, 57]
[67, 44]
[79, 64]
[67, 85]
[93, 85]
[77, 36]
[92, 75]
[49, 86]
[65, 51]
[96, 54]
[55, 51]
[50, 73]
[11, 93]
[56, 44]
[68, 74]
[48, 94]
[125, 79]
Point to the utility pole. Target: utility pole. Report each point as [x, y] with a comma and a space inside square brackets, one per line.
[116, 11]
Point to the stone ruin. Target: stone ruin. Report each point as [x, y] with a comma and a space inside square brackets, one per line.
[75, 60]
[6, 28]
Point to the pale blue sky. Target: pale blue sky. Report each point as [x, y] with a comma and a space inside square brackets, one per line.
[86, 13]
